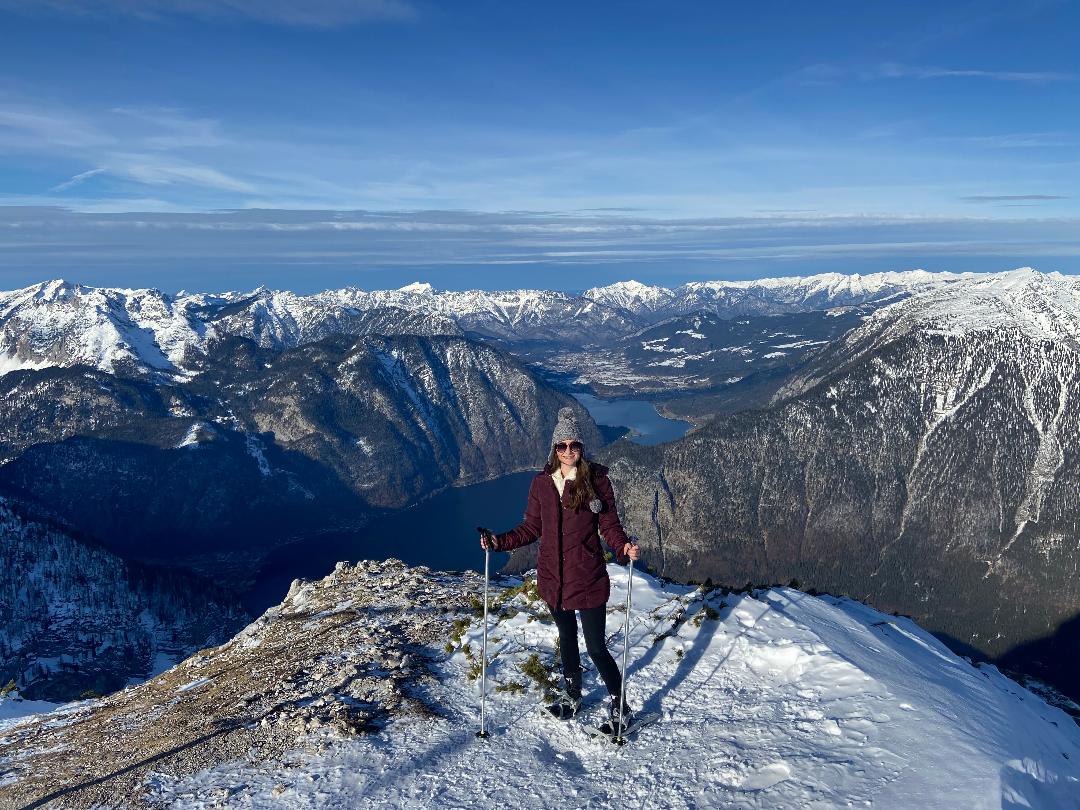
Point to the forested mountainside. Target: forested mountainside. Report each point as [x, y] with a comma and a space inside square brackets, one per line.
[926, 463]
[261, 444]
[75, 618]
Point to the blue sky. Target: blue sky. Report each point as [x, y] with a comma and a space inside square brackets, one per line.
[501, 144]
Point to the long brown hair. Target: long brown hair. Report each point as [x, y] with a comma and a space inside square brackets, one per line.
[582, 490]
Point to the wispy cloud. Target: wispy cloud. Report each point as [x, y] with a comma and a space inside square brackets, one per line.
[40, 238]
[174, 128]
[896, 70]
[154, 171]
[992, 198]
[818, 74]
[24, 127]
[74, 181]
[1020, 140]
[309, 13]
[151, 147]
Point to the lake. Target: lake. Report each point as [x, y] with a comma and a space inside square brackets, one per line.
[648, 426]
[440, 532]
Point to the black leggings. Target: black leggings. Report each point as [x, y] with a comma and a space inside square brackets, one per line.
[592, 625]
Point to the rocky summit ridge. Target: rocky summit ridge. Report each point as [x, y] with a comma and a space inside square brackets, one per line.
[362, 690]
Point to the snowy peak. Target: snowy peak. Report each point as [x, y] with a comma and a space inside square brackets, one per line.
[417, 288]
[632, 296]
[61, 324]
[1041, 306]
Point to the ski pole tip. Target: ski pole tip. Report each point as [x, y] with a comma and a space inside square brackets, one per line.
[483, 735]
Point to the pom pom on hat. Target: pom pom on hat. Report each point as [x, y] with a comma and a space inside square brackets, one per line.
[566, 429]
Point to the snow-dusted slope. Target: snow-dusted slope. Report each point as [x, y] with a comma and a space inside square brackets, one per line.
[1020, 308]
[775, 699]
[924, 461]
[74, 617]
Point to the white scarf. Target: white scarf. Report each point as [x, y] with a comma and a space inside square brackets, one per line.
[560, 481]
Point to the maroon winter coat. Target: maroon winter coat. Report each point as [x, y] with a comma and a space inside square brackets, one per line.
[570, 570]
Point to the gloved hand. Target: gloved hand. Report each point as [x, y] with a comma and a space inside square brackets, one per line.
[488, 541]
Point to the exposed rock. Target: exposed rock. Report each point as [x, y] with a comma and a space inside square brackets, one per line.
[339, 657]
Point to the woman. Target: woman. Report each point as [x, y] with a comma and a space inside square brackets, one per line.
[571, 504]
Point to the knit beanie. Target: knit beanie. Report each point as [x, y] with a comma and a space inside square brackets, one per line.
[567, 428]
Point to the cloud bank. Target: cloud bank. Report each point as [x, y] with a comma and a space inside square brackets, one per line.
[39, 243]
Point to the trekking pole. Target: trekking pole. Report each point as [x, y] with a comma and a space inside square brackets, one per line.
[482, 733]
[619, 739]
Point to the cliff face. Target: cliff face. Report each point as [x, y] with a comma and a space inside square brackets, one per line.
[924, 463]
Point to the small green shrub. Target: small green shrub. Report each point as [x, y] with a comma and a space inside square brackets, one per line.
[534, 669]
[8, 689]
[460, 626]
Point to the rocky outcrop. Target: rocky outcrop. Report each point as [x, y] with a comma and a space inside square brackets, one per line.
[337, 658]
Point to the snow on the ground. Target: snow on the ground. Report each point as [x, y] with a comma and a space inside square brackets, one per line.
[771, 700]
[14, 708]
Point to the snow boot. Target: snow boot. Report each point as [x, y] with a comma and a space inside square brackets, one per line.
[568, 699]
[612, 725]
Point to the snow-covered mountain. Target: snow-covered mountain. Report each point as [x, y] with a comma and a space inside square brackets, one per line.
[768, 296]
[923, 462]
[60, 324]
[56, 323]
[635, 297]
[361, 690]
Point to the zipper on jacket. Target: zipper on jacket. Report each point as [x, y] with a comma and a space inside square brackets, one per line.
[562, 560]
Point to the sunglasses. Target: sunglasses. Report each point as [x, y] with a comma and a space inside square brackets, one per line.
[569, 447]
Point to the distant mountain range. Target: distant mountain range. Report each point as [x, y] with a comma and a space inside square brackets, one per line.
[56, 323]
